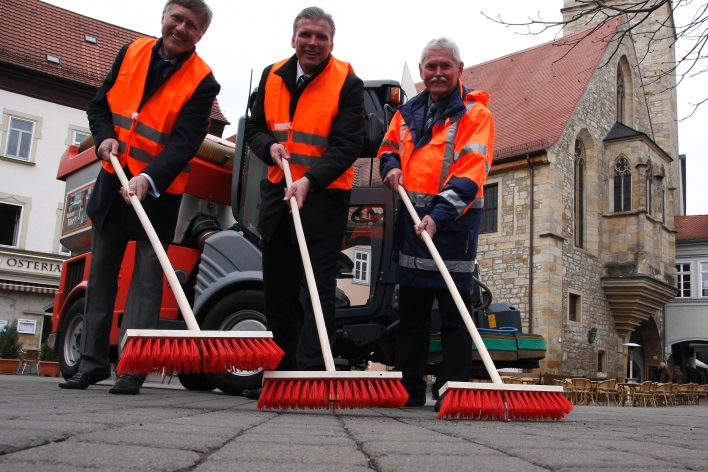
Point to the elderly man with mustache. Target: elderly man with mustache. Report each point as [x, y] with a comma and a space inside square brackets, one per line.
[439, 146]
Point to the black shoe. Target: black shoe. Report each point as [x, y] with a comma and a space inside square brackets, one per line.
[81, 380]
[126, 385]
[437, 405]
[414, 403]
[254, 394]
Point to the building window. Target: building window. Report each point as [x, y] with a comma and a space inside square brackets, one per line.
[79, 137]
[574, 307]
[704, 279]
[579, 193]
[10, 219]
[362, 258]
[3, 323]
[649, 190]
[490, 216]
[26, 326]
[63, 250]
[662, 194]
[620, 94]
[19, 138]
[683, 279]
[601, 361]
[622, 185]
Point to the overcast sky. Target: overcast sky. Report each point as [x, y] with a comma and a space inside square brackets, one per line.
[377, 37]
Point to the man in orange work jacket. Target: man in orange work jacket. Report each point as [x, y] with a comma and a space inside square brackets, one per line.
[152, 111]
[310, 111]
[439, 146]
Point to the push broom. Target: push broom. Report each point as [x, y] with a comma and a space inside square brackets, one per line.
[311, 390]
[496, 400]
[192, 350]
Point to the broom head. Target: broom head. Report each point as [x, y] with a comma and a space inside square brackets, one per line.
[312, 390]
[491, 401]
[192, 352]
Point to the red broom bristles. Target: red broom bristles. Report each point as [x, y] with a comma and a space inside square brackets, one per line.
[513, 405]
[302, 393]
[195, 355]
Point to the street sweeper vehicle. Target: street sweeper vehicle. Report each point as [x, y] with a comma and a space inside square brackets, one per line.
[217, 261]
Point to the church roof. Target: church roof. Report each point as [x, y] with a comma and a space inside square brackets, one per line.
[620, 131]
[85, 47]
[691, 227]
[533, 92]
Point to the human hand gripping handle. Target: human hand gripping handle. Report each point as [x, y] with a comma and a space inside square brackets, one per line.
[478, 342]
[159, 250]
[309, 273]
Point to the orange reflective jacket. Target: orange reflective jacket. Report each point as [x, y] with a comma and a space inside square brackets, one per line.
[143, 131]
[306, 137]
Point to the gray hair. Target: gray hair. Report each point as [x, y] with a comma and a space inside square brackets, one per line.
[198, 6]
[314, 13]
[439, 44]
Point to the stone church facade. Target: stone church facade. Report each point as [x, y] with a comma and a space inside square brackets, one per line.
[580, 203]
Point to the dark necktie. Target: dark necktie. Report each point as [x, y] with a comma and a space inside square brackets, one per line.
[429, 117]
[159, 72]
[301, 80]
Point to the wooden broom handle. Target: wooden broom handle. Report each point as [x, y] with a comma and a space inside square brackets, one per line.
[478, 342]
[159, 250]
[310, 275]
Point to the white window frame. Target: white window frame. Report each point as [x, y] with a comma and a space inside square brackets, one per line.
[10, 130]
[3, 323]
[77, 142]
[362, 256]
[702, 268]
[679, 278]
[18, 226]
[26, 329]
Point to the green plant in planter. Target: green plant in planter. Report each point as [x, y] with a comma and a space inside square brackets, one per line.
[48, 354]
[10, 345]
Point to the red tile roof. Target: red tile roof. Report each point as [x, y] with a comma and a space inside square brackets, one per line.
[691, 227]
[33, 29]
[531, 97]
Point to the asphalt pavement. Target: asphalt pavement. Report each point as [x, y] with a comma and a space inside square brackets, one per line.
[166, 428]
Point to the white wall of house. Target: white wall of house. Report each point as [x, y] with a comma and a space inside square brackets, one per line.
[33, 183]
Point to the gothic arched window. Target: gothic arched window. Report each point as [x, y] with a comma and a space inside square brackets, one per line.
[622, 185]
[662, 194]
[649, 198]
[579, 189]
[620, 94]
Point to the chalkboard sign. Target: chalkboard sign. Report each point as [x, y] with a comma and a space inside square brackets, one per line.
[653, 373]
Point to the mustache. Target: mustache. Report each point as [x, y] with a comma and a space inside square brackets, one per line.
[438, 80]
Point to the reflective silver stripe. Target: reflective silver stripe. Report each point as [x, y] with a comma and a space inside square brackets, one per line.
[390, 144]
[448, 155]
[420, 199]
[470, 148]
[144, 156]
[411, 262]
[152, 134]
[280, 136]
[487, 167]
[478, 202]
[122, 121]
[122, 146]
[404, 127]
[302, 159]
[454, 200]
[310, 139]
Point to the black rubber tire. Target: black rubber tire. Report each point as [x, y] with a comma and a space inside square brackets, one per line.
[243, 311]
[196, 382]
[69, 343]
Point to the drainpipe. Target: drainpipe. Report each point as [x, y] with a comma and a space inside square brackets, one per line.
[530, 304]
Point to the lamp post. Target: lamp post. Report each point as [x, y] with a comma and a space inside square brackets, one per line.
[631, 347]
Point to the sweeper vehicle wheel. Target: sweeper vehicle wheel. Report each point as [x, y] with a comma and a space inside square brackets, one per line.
[238, 311]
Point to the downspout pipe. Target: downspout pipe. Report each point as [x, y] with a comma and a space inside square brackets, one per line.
[530, 303]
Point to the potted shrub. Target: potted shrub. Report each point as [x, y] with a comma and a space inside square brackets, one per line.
[48, 362]
[10, 349]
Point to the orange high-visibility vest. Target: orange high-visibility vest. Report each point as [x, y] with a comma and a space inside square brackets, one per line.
[143, 132]
[306, 137]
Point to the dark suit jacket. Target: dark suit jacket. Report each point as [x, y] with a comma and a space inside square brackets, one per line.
[186, 137]
[325, 212]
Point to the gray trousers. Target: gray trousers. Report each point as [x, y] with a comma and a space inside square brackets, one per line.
[142, 309]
